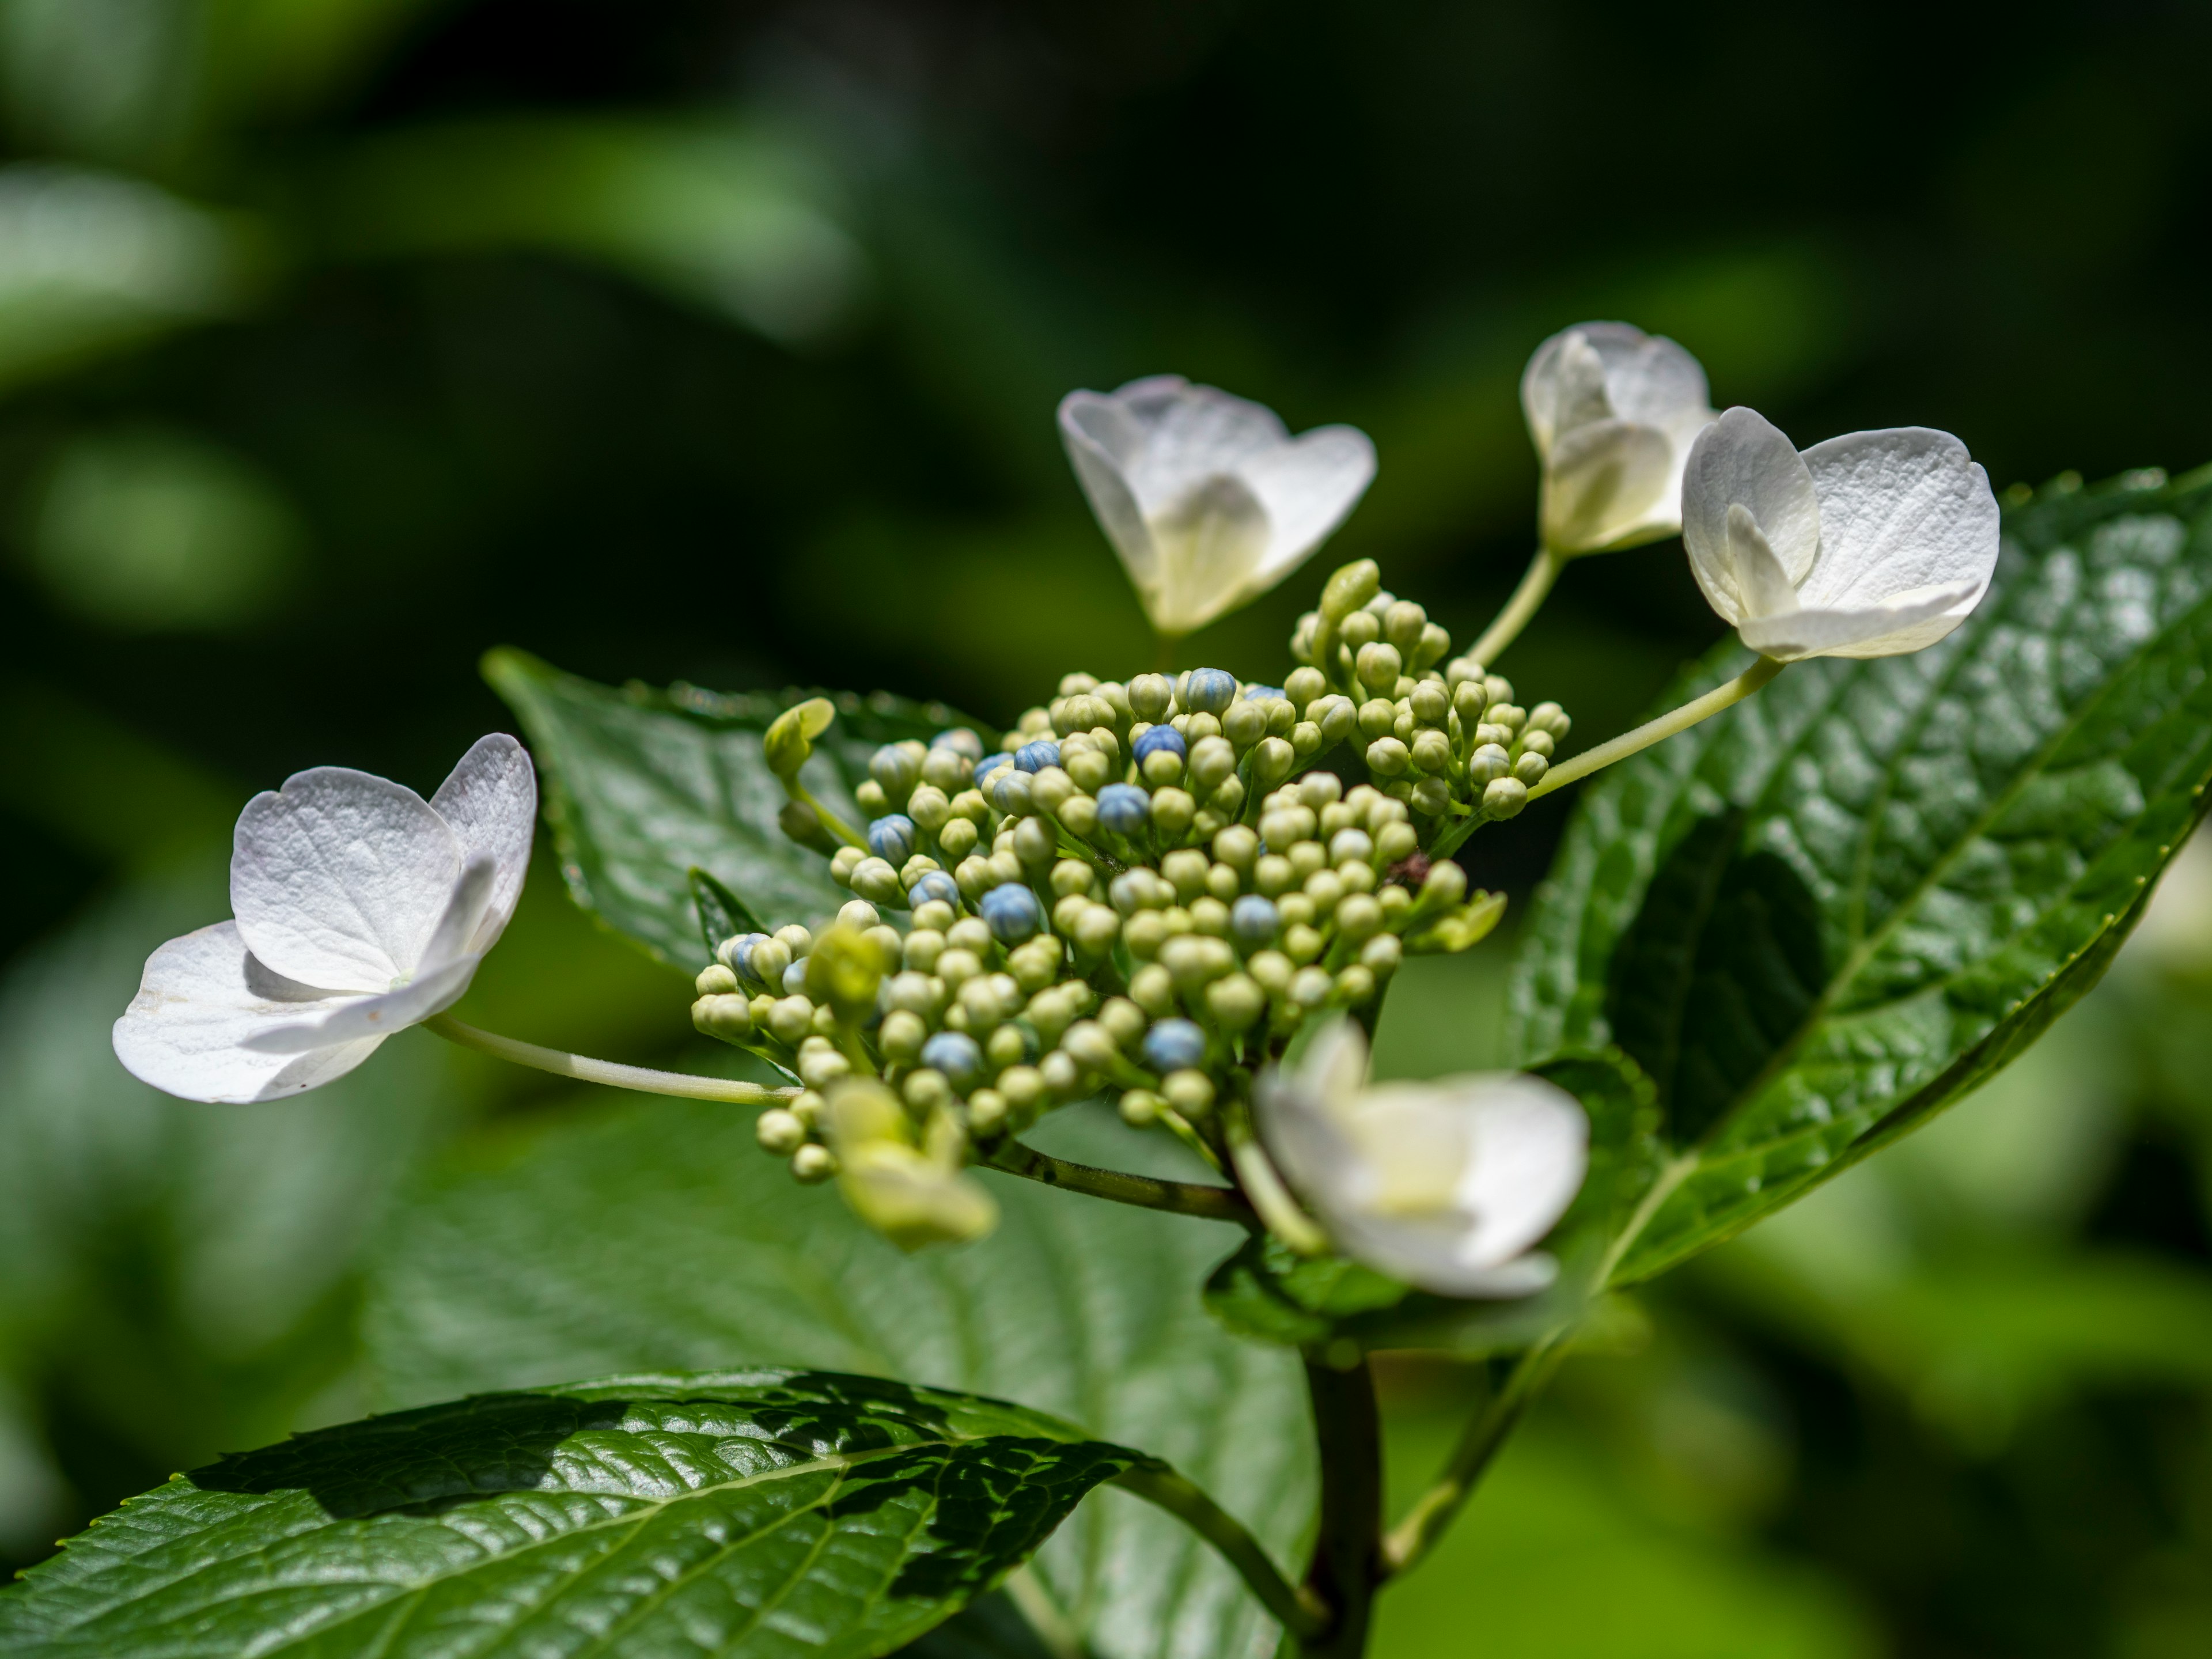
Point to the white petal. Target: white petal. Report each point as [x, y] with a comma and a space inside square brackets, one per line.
[1191, 432]
[490, 802]
[1564, 386]
[1307, 486]
[1900, 509]
[339, 879]
[1743, 459]
[463, 917]
[372, 1018]
[204, 996]
[1435, 1254]
[1606, 486]
[1530, 1148]
[1210, 540]
[1908, 623]
[1103, 440]
[1649, 380]
[1761, 583]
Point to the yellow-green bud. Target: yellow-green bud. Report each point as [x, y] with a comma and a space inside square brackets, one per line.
[1355, 985]
[1152, 988]
[1236, 847]
[958, 838]
[1386, 756]
[813, 1163]
[987, 1111]
[847, 965]
[1023, 1087]
[926, 1089]
[724, 1015]
[1140, 1108]
[1096, 929]
[1360, 627]
[1530, 768]
[715, 981]
[1189, 1092]
[1271, 971]
[1244, 722]
[1379, 666]
[1349, 588]
[1172, 810]
[779, 1132]
[1359, 916]
[873, 878]
[1432, 750]
[901, 1036]
[790, 739]
[1035, 844]
[1185, 871]
[792, 1019]
[1063, 1076]
[1396, 842]
[1007, 1047]
[1051, 789]
[823, 1068]
[1378, 718]
[1122, 1020]
[1504, 798]
[1300, 943]
[1380, 956]
[1236, 1001]
[1305, 740]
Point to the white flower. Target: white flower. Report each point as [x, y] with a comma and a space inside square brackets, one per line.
[1207, 498]
[1612, 411]
[360, 909]
[1445, 1185]
[1872, 544]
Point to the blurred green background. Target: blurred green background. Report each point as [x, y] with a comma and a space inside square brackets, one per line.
[341, 340]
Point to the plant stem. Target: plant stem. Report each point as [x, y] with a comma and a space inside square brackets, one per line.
[1177, 1197]
[1256, 1175]
[1436, 1508]
[1347, 1559]
[1299, 1611]
[1651, 732]
[1528, 598]
[644, 1080]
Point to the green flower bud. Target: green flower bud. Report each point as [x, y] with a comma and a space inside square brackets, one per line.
[1349, 588]
[1122, 1020]
[813, 1164]
[1461, 671]
[1380, 956]
[724, 1015]
[1244, 722]
[1140, 1108]
[1036, 846]
[790, 739]
[779, 1132]
[1161, 768]
[716, 980]
[1359, 916]
[975, 878]
[1150, 696]
[1051, 789]
[1550, 718]
[843, 862]
[1172, 811]
[1310, 986]
[1021, 1087]
[1272, 761]
[769, 958]
[1378, 718]
[1535, 742]
[1300, 943]
[874, 880]
[926, 1090]
[845, 967]
[1271, 971]
[1090, 769]
[1433, 752]
[1271, 875]
[1185, 871]
[946, 770]
[1093, 1047]
[1072, 876]
[1190, 1093]
[970, 933]
[1096, 930]
[792, 1019]
[1361, 628]
[930, 808]
[1304, 685]
[897, 768]
[1210, 917]
[1236, 1001]
[1050, 1012]
[901, 1035]
[1337, 718]
[1488, 765]
[1080, 815]
[1035, 964]
[1431, 798]
[1152, 988]
[1062, 1077]
[1435, 646]
[1385, 755]
[1504, 798]
[1306, 740]
[802, 824]
[1222, 880]
[1530, 768]
[987, 1111]
[1354, 984]
[1402, 624]
[959, 839]
[823, 1068]
[1212, 761]
[1009, 1046]
[1396, 842]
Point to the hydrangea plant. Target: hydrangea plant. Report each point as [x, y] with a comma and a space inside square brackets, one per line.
[1771, 944]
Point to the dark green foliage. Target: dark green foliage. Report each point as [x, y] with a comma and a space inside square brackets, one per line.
[756, 1512]
[1827, 914]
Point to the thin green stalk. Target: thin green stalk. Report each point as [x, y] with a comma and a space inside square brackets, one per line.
[1296, 1608]
[1347, 1560]
[644, 1080]
[1651, 732]
[1177, 1197]
[1528, 598]
[1436, 1508]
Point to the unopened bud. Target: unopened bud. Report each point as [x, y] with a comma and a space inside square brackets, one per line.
[1152, 988]
[1349, 588]
[790, 739]
[1431, 751]
[813, 1163]
[1336, 716]
[725, 1015]
[1504, 798]
[1236, 1001]
[1488, 765]
[1150, 696]
[1530, 768]
[1387, 756]
[1190, 1093]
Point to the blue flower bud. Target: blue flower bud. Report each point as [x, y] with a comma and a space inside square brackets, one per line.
[1207, 691]
[984, 768]
[1174, 1045]
[956, 1054]
[960, 740]
[1035, 757]
[892, 838]
[1123, 807]
[1252, 920]
[735, 954]
[1157, 739]
[1013, 913]
[1009, 790]
[1262, 693]
[935, 885]
[794, 978]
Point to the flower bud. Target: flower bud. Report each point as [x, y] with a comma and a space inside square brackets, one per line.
[845, 967]
[926, 1090]
[1093, 1047]
[1535, 742]
[1236, 1001]
[1488, 765]
[1361, 628]
[1140, 1108]
[1213, 761]
[1210, 917]
[1504, 798]
[947, 771]
[1244, 723]
[1021, 1087]
[1304, 685]
[1190, 1093]
[1012, 912]
[1009, 1045]
[1378, 718]
[820, 1067]
[975, 877]
[1271, 971]
[1096, 930]
[802, 824]
[1172, 1045]
[1062, 1077]
[1530, 768]
[1035, 844]
[791, 1019]
[1051, 789]
[955, 1055]
[1254, 922]
[874, 880]
[1124, 808]
[1435, 647]
[1150, 696]
[1172, 813]
[813, 1164]
[896, 768]
[1037, 963]
[1185, 871]
[779, 1132]
[1152, 990]
[790, 738]
[1349, 588]
[1381, 955]
[902, 1035]
[1008, 790]
[1359, 916]
[1300, 943]
[1122, 1020]
[716, 980]
[1306, 740]
[1387, 756]
[1354, 984]
[725, 1015]
[959, 839]
[892, 838]
[1433, 752]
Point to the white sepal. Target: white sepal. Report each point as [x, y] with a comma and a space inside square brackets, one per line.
[1612, 411]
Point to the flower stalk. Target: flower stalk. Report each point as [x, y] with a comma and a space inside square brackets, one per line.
[1657, 730]
[642, 1079]
[1528, 598]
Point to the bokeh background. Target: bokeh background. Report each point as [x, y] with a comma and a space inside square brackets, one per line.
[341, 339]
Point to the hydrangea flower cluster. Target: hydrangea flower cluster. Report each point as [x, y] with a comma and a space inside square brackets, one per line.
[1133, 894]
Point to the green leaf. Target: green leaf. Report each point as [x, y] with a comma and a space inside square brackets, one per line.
[722, 914]
[644, 787]
[1828, 914]
[659, 1237]
[764, 1512]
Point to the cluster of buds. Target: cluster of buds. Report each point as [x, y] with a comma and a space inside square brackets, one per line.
[1132, 895]
[1445, 737]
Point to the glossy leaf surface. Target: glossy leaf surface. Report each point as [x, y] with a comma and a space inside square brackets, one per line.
[1826, 914]
[746, 1513]
[555, 1260]
[642, 787]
